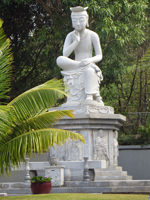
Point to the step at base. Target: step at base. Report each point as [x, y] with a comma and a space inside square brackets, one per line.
[104, 190]
[100, 178]
[110, 173]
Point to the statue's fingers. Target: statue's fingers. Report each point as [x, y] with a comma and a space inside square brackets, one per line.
[80, 64]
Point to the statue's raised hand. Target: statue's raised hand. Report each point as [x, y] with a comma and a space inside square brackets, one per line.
[77, 36]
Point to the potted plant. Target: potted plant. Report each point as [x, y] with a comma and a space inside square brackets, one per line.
[41, 185]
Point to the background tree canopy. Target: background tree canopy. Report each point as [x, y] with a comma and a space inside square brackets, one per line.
[37, 30]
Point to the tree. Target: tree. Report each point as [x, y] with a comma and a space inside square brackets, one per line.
[26, 122]
[130, 96]
[24, 25]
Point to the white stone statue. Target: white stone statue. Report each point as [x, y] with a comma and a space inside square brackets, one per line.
[81, 75]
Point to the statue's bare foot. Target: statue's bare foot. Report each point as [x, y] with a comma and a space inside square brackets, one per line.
[99, 99]
[89, 97]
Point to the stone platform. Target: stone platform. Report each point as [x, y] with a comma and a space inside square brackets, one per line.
[99, 127]
[105, 187]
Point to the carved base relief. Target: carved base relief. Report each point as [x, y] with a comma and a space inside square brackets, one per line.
[70, 151]
[87, 109]
[99, 145]
[100, 135]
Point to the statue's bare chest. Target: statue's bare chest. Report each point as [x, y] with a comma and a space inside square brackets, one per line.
[84, 48]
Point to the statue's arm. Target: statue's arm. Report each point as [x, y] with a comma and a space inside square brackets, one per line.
[97, 48]
[69, 45]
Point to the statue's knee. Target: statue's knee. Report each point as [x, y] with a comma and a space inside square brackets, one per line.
[59, 60]
[89, 71]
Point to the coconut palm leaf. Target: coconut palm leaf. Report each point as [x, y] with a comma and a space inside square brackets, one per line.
[38, 100]
[5, 61]
[7, 118]
[30, 107]
[45, 120]
[4, 108]
[26, 126]
[14, 149]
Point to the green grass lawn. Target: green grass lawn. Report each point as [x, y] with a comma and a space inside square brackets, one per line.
[79, 196]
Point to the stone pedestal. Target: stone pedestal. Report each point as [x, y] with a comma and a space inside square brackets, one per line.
[56, 173]
[99, 127]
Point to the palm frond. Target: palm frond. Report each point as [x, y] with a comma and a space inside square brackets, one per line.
[4, 108]
[5, 61]
[25, 123]
[6, 119]
[45, 120]
[14, 149]
[38, 100]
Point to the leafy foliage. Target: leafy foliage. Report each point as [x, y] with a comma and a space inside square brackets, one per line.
[144, 134]
[131, 97]
[141, 138]
[5, 61]
[40, 179]
[26, 127]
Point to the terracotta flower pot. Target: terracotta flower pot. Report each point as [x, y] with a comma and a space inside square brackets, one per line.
[41, 187]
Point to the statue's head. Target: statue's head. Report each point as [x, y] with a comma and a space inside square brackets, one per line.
[79, 18]
[101, 133]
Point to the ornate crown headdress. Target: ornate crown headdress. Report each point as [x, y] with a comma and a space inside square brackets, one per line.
[78, 9]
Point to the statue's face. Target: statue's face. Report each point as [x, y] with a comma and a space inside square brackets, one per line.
[79, 22]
